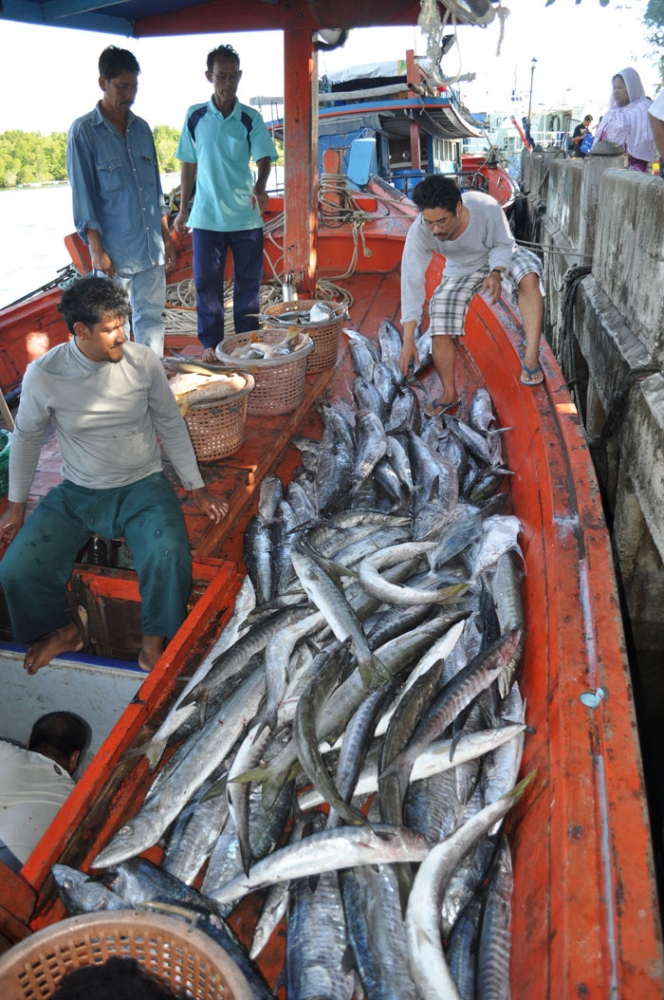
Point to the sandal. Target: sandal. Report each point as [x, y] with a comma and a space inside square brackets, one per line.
[532, 374]
[437, 409]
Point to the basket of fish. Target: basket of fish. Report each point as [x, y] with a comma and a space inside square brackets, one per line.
[174, 954]
[277, 359]
[214, 407]
[323, 320]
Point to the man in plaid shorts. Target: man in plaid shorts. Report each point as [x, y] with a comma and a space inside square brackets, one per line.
[471, 231]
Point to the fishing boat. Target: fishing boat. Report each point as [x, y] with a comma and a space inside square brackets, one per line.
[585, 916]
[392, 120]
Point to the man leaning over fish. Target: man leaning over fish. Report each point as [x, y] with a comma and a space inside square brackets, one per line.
[471, 231]
[107, 400]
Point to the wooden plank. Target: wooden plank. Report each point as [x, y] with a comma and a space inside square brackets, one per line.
[17, 889]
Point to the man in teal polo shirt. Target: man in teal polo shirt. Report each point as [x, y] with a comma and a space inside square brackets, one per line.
[217, 142]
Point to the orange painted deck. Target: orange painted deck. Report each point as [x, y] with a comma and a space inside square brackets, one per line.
[585, 919]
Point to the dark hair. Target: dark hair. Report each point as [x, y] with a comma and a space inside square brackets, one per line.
[88, 299]
[115, 979]
[114, 61]
[60, 732]
[436, 191]
[222, 52]
[588, 118]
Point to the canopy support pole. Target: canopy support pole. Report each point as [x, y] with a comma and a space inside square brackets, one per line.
[301, 160]
[413, 76]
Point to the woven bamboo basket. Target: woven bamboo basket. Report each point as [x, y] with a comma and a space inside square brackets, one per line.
[182, 956]
[216, 426]
[325, 335]
[279, 382]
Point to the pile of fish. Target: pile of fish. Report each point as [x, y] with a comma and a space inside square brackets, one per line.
[268, 343]
[371, 664]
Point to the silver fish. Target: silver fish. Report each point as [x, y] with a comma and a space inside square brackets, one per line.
[427, 961]
[206, 750]
[371, 444]
[331, 602]
[270, 493]
[330, 850]
[82, 894]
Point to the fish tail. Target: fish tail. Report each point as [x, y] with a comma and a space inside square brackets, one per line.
[154, 752]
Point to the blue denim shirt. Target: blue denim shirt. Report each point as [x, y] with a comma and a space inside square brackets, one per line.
[116, 189]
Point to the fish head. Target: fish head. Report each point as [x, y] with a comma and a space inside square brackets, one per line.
[137, 834]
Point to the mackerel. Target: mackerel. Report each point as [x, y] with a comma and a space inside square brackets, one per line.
[330, 850]
[312, 703]
[427, 960]
[459, 692]
[232, 660]
[82, 894]
[270, 495]
[371, 444]
[257, 549]
[376, 932]
[245, 602]
[377, 586]
[206, 750]
[343, 621]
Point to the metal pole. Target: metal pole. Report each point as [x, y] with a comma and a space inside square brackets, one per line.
[530, 99]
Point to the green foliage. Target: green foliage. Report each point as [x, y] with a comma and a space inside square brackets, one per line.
[166, 140]
[31, 158]
[654, 19]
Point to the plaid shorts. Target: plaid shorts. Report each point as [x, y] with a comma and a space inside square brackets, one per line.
[449, 303]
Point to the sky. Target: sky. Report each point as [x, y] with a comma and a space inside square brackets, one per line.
[48, 76]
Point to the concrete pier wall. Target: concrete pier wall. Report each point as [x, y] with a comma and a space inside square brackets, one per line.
[602, 232]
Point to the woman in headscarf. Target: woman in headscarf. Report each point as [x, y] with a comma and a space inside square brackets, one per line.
[626, 121]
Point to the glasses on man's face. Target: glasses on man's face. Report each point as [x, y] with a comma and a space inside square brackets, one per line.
[432, 223]
[225, 77]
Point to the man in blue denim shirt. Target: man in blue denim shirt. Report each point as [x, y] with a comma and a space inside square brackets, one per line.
[119, 207]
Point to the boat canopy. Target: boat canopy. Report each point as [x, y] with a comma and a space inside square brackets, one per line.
[146, 18]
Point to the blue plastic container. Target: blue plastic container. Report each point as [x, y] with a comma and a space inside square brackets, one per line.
[404, 179]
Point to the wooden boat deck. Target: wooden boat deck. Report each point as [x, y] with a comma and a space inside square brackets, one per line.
[585, 908]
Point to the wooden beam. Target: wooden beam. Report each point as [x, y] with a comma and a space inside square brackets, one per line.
[413, 76]
[301, 160]
[255, 15]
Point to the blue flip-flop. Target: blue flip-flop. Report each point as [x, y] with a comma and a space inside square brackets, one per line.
[531, 372]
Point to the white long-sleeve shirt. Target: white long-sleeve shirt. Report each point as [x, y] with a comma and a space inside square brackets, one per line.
[486, 242]
[106, 416]
[32, 790]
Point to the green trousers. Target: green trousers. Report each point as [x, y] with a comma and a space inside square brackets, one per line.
[38, 563]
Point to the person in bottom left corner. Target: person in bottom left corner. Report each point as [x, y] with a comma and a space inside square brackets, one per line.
[107, 400]
[35, 781]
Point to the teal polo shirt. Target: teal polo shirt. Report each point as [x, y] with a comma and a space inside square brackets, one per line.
[221, 148]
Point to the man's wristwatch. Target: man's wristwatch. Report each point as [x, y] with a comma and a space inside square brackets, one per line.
[498, 271]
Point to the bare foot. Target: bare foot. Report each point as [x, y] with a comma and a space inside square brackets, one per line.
[64, 640]
[151, 649]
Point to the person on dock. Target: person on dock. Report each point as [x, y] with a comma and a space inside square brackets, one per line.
[119, 208]
[626, 121]
[579, 134]
[216, 144]
[107, 400]
[471, 231]
[35, 781]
